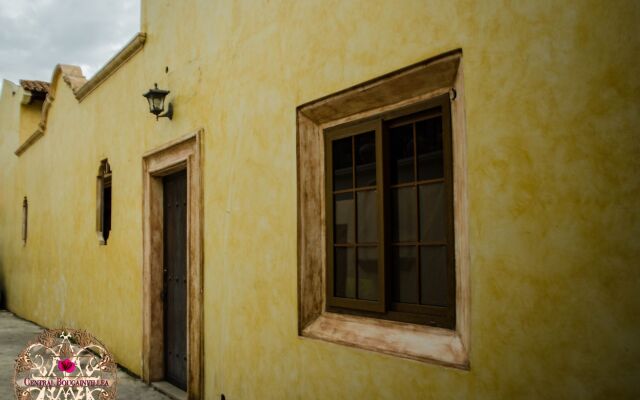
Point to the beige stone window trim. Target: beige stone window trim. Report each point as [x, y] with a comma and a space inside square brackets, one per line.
[419, 82]
[180, 154]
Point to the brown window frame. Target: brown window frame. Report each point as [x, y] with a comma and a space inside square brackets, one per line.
[384, 308]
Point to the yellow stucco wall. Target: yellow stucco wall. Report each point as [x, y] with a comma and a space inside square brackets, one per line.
[10, 204]
[29, 119]
[552, 113]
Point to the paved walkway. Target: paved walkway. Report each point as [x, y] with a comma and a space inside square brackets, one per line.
[14, 335]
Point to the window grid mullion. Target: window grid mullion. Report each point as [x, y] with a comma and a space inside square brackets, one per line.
[380, 187]
[416, 183]
[416, 191]
[420, 243]
[447, 144]
[360, 189]
[355, 209]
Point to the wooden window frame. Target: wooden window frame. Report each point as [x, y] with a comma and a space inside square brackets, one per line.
[389, 93]
[380, 124]
[351, 131]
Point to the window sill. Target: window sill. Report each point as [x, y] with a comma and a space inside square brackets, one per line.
[416, 342]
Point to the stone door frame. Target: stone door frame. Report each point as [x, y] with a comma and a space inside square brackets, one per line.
[183, 153]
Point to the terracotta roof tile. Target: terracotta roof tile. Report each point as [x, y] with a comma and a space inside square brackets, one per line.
[35, 86]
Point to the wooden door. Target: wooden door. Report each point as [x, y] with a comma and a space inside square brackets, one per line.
[175, 278]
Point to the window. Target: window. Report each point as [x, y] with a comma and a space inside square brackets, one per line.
[383, 244]
[390, 216]
[103, 218]
[25, 215]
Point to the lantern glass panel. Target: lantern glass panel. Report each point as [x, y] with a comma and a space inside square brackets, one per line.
[158, 103]
[150, 100]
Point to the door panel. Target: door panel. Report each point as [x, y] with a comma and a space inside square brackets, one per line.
[175, 278]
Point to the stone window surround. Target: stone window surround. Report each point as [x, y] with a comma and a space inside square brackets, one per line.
[414, 84]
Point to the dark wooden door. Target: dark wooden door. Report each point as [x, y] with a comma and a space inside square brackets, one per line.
[175, 279]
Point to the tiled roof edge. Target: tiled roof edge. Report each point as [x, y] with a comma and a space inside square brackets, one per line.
[34, 86]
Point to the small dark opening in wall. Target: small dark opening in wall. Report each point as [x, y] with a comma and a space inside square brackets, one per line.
[25, 222]
[104, 202]
[222, 397]
[106, 226]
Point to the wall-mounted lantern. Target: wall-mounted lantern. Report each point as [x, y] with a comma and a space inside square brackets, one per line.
[156, 97]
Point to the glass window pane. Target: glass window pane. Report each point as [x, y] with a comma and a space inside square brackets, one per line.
[404, 214]
[343, 221]
[368, 273]
[433, 280]
[429, 138]
[367, 216]
[344, 266]
[404, 271]
[432, 212]
[365, 153]
[401, 139]
[342, 164]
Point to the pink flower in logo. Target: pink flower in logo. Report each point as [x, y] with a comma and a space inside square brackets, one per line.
[66, 365]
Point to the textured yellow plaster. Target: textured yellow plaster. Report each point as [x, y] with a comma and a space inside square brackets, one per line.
[29, 119]
[552, 113]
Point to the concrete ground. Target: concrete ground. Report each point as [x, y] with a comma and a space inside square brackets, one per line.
[14, 335]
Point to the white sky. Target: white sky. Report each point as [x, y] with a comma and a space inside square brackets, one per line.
[35, 35]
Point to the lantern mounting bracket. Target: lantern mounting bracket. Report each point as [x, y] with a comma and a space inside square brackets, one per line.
[168, 114]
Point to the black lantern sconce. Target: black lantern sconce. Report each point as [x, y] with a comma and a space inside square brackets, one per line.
[155, 97]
